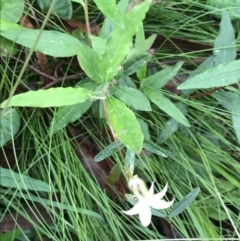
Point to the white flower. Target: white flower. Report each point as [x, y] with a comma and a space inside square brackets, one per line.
[146, 199]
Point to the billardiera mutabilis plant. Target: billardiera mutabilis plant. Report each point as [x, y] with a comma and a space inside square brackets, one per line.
[146, 200]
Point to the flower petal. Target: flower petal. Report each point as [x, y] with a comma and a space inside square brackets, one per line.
[135, 210]
[161, 194]
[145, 215]
[160, 204]
[151, 190]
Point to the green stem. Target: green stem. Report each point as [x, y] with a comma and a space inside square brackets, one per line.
[87, 21]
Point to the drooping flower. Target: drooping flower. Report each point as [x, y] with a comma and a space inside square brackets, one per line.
[146, 200]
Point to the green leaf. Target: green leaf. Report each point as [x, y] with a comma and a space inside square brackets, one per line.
[171, 126]
[166, 105]
[126, 81]
[79, 1]
[88, 58]
[225, 99]
[224, 46]
[236, 116]
[136, 62]
[108, 25]
[145, 129]
[221, 75]
[153, 148]
[130, 160]
[68, 114]
[161, 78]
[108, 151]
[133, 98]
[11, 10]
[184, 203]
[140, 36]
[51, 43]
[120, 40]
[216, 213]
[106, 29]
[232, 6]
[125, 124]
[12, 179]
[7, 47]
[62, 8]
[122, 6]
[98, 44]
[110, 10]
[142, 47]
[9, 125]
[11, 235]
[114, 175]
[52, 97]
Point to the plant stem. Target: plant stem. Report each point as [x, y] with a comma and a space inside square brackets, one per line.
[87, 21]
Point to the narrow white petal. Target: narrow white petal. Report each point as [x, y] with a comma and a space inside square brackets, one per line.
[145, 215]
[135, 210]
[160, 204]
[151, 190]
[161, 194]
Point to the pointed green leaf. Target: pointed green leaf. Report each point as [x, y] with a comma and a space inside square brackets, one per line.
[11, 10]
[126, 81]
[110, 10]
[88, 58]
[153, 148]
[9, 125]
[140, 35]
[120, 40]
[142, 47]
[133, 98]
[130, 160]
[236, 116]
[122, 6]
[68, 114]
[171, 125]
[53, 97]
[224, 46]
[125, 124]
[11, 235]
[98, 44]
[136, 62]
[51, 43]
[225, 99]
[221, 75]
[166, 105]
[108, 151]
[79, 1]
[184, 203]
[145, 129]
[114, 175]
[170, 128]
[216, 7]
[15, 180]
[62, 8]
[161, 78]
